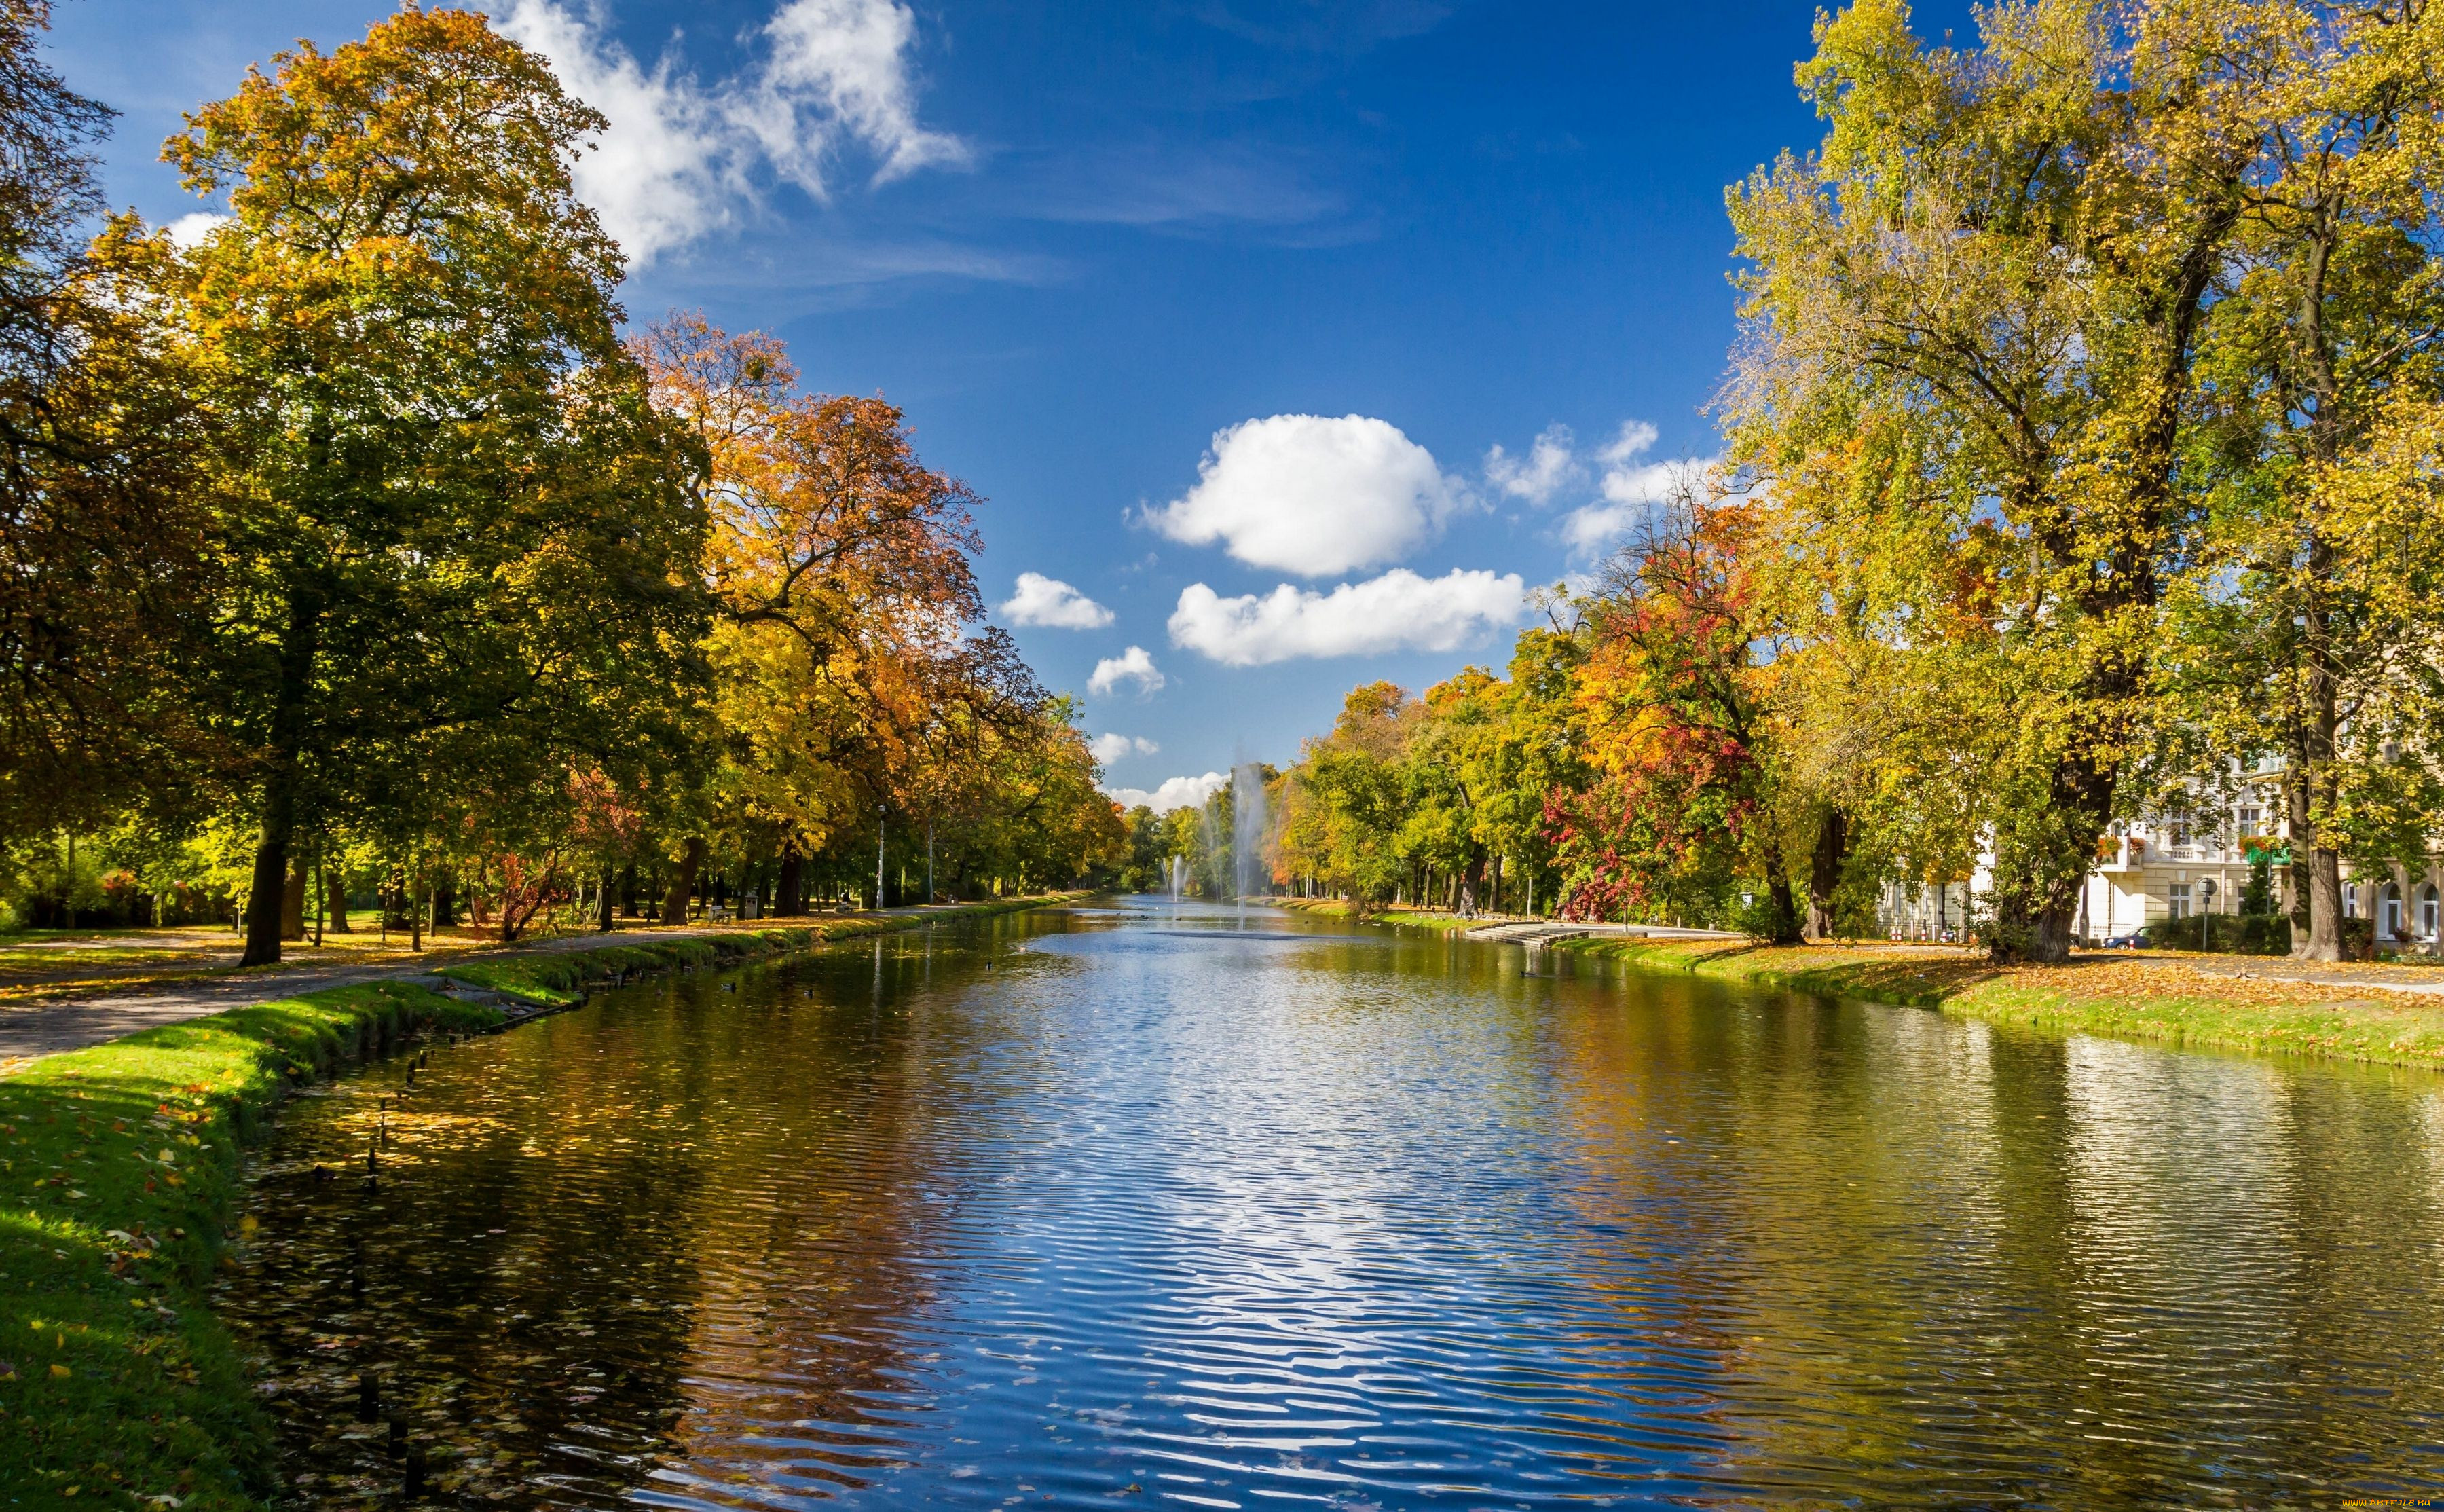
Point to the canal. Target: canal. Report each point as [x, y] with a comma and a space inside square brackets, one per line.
[1134, 1206]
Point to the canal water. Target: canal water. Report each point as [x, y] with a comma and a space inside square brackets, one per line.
[1128, 1205]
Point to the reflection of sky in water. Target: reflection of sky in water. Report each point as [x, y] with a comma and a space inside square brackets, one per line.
[1156, 1205]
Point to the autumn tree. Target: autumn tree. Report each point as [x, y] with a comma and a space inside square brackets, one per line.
[850, 681]
[2009, 250]
[1676, 702]
[2308, 629]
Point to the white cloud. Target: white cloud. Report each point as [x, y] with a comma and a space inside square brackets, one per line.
[1177, 792]
[1313, 495]
[1540, 475]
[1110, 748]
[1042, 601]
[191, 228]
[1632, 486]
[1634, 438]
[681, 161]
[1131, 666]
[1398, 611]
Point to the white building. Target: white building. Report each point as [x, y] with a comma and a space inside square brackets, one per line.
[2181, 865]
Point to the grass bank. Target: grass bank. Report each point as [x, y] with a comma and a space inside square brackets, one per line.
[1398, 916]
[561, 978]
[119, 1169]
[2232, 1003]
[120, 1172]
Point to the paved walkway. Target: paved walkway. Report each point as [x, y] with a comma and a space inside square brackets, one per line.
[41, 1028]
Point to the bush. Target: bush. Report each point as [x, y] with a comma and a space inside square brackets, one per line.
[2238, 934]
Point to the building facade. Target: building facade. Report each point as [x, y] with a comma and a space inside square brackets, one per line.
[2182, 865]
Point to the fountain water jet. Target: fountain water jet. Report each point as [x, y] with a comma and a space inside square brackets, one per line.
[1249, 873]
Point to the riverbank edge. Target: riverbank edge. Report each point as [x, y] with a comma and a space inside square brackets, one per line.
[118, 1385]
[2368, 1025]
[122, 1161]
[562, 980]
[2368, 1030]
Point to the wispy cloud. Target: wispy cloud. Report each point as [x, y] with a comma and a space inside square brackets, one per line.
[1633, 484]
[682, 159]
[1541, 474]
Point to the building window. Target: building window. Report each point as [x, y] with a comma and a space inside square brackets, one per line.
[2250, 818]
[2427, 913]
[2392, 922]
[2179, 900]
[2350, 901]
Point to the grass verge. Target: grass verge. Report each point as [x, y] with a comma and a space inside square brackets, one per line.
[118, 1166]
[1398, 916]
[2132, 997]
[561, 979]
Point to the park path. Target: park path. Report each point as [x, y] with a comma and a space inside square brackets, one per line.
[48, 1028]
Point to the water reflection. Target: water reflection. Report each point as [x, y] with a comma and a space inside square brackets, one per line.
[1140, 1206]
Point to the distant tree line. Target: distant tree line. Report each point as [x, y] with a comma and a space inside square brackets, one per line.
[2085, 455]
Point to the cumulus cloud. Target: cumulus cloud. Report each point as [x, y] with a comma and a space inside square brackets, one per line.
[1042, 601]
[1309, 495]
[191, 228]
[1398, 611]
[682, 159]
[1131, 666]
[1633, 484]
[1110, 748]
[1541, 474]
[1177, 792]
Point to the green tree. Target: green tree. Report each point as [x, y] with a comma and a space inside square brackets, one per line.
[457, 545]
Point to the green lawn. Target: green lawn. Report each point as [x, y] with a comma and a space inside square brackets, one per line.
[118, 1166]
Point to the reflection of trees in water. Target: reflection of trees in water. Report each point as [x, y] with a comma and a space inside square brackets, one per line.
[702, 1190]
[1591, 1229]
[1949, 1262]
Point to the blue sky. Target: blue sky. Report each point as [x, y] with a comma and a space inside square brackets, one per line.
[1361, 243]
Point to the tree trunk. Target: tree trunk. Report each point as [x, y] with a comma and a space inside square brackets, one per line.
[267, 900]
[265, 894]
[445, 902]
[293, 895]
[1824, 869]
[674, 902]
[791, 901]
[607, 919]
[334, 900]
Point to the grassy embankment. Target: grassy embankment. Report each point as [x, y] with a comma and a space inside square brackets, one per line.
[2182, 999]
[119, 1176]
[119, 1167]
[561, 979]
[2170, 999]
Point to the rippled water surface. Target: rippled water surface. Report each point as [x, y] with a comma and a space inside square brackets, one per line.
[1120, 1206]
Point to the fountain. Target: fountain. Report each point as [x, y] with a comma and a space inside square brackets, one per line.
[1249, 873]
